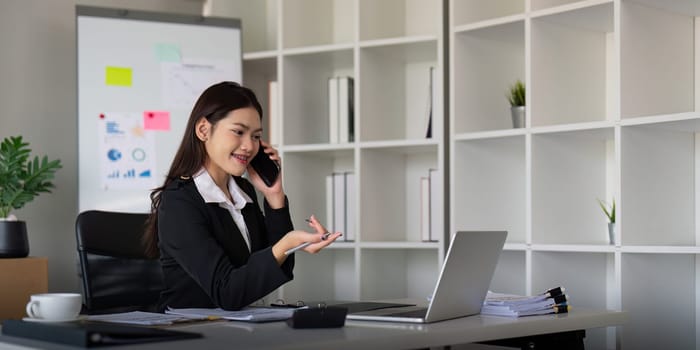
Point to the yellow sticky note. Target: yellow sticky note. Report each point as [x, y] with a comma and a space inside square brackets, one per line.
[118, 76]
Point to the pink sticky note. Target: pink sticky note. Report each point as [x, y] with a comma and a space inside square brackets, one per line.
[156, 120]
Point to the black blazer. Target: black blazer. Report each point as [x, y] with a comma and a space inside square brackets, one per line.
[205, 260]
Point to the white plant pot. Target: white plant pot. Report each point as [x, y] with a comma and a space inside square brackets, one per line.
[518, 115]
[611, 233]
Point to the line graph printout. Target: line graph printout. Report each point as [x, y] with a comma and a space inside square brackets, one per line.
[184, 82]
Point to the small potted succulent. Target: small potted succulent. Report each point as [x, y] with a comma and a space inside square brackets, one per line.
[516, 97]
[609, 211]
[21, 180]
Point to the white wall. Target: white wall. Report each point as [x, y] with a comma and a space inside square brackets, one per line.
[38, 101]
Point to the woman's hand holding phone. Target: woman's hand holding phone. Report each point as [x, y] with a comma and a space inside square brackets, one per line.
[265, 174]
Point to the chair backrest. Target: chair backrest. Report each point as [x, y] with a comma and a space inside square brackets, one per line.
[116, 275]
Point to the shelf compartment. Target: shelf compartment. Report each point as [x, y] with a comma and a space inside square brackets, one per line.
[394, 91]
[257, 75]
[471, 11]
[510, 274]
[489, 186]
[390, 192]
[683, 7]
[398, 273]
[659, 183]
[308, 171]
[305, 102]
[398, 18]
[570, 171]
[573, 67]
[587, 277]
[258, 20]
[317, 22]
[338, 281]
[491, 60]
[657, 59]
[660, 291]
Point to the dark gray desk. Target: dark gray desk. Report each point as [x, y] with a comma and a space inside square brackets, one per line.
[366, 335]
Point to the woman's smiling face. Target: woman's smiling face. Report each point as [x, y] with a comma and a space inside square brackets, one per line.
[232, 143]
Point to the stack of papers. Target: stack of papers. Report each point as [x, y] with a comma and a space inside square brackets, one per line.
[551, 301]
[143, 318]
[249, 314]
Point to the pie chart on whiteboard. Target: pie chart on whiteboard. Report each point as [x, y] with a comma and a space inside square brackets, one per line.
[114, 155]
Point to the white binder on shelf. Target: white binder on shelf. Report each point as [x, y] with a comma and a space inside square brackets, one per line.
[345, 109]
[274, 117]
[333, 132]
[339, 202]
[350, 203]
[436, 205]
[425, 209]
[330, 225]
[430, 105]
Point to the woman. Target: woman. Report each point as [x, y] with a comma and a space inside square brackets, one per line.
[216, 248]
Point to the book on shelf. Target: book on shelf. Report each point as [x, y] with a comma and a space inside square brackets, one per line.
[346, 110]
[274, 129]
[425, 208]
[549, 302]
[340, 204]
[330, 203]
[436, 205]
[431, 208]
[350, 203]
[430, 105]
[333, 128]
[341, 110]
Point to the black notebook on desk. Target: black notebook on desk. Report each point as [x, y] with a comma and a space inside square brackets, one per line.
[90, 334]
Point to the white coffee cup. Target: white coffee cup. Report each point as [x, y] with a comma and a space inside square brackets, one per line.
[54, 306]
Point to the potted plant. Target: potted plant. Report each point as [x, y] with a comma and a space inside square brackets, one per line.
[21, 179]
[516, 97]
[609, 211]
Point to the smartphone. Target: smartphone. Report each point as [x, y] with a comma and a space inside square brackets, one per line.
[265, 167]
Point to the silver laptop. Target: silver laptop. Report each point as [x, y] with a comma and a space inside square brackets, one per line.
[461, 288]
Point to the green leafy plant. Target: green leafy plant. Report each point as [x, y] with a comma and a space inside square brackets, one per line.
[21, 178]
[608, 210]
[516, 94]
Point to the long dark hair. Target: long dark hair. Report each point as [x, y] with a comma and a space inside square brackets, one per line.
[214, 104]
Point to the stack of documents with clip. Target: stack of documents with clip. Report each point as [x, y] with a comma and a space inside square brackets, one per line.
[549, 302]
[248, 314]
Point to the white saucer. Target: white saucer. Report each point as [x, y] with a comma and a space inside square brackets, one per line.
[32, 319]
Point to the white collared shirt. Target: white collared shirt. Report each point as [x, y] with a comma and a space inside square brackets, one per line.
[213, 194]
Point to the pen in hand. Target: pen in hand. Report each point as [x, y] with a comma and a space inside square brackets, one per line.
[306, 244]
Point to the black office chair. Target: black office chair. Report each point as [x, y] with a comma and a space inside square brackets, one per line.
[115, 273]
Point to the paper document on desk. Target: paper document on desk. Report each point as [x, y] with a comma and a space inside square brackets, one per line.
[142, 318]
[249, 314]
[551, 301]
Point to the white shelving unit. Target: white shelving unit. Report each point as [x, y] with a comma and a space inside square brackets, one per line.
[612, 112]
[388, 47]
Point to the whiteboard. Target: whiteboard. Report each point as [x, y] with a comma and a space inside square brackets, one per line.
[139, 74]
